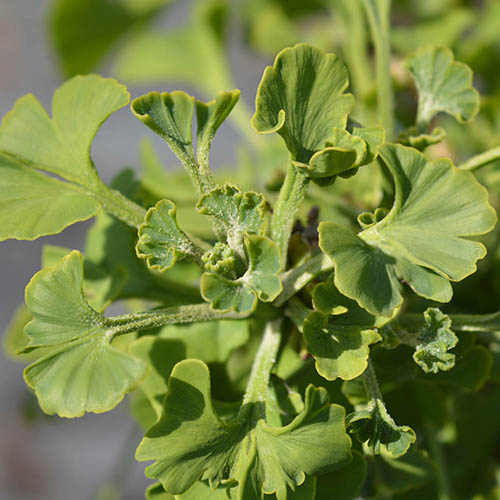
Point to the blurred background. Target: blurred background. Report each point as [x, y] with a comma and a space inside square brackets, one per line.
[202, 47]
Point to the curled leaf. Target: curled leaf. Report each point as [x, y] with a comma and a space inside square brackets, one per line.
[443, 84]
[244, 453]
[423, 240]
[301, 97]
[161, 240]
[260, 281]
[376, 427]
[82, 372]
[435, 340]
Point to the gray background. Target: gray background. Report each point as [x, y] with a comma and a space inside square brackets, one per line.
[51, 458]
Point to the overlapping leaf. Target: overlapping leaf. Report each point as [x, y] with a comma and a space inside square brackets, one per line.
[30, 139]
[435, 340]
[443, 84]
[82, 372]
[423, 240]
[340, 336]
[260, 281]
[376, 427]
[244, 453]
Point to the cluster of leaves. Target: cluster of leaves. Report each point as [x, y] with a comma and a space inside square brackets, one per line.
[265, 357]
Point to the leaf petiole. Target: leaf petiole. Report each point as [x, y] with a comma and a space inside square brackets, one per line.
[481, 160]
[291, 195]
[127, 323]
[256, 390]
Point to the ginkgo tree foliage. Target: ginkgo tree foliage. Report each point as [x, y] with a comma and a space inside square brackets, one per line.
[287, 334]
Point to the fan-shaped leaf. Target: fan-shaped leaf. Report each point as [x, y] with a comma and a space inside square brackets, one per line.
[422, 240]
[33, 204]
[302, 98]
[82, 373]
[244, 453]
[61, 144]
[443, 85]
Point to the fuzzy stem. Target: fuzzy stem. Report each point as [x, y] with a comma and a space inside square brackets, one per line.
[377, 12]
[256, 391]
[119, 206]
[370, 382]
[126, 323]
[481, 160]
[289, 199]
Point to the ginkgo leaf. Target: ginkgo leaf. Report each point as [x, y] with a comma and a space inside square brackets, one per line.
[260, 281]
[240, 213]
[101, 286]
[83, 372]
[210, 116]
[61, 144]
[443, 84]
[376, 427]
[422, 240]
[341, 349]
[161, 241]
[301, 97]
[170, 115]
[243, 453]
[421, 141]
[434, 341]
[33, 204]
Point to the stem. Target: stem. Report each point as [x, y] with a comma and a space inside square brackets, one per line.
[256, 391]
[297, 278]
[120, 206]
[481, 323]
[377, 12]
[370, 382]
[481, 160]
[126, 323]
[354, 47]
[291, 196]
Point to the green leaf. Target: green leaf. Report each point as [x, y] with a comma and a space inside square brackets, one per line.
[244, 453]
[61, 144]
[196, 53]
[199, 491]
[82, 373]
[210, 116]
[260, 281]
[33, 204]
[375, 426]
[240, 213]
[443, 85]
[341, 350]
[170, 115]
[161, 241]
[435, 339]
[422, 240]
[101, 286]
[302, 98]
